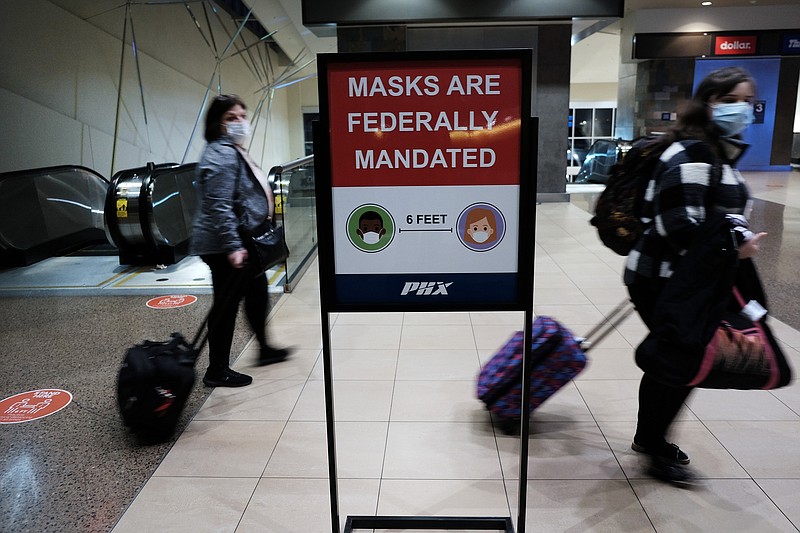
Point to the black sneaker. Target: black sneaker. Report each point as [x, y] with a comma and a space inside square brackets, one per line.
[667, 450]
[671, 472]
[225, 377]
[272, 355]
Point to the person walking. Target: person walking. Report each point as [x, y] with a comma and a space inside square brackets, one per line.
[233, 192]
[694, 179]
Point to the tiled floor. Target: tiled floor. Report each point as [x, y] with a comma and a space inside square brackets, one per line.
[413, 440]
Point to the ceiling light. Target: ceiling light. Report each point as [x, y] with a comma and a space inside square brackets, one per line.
[705, 3]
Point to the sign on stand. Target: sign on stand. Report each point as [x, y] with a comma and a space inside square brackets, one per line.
[424, 164]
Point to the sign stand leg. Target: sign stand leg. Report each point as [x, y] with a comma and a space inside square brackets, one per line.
[329, 418]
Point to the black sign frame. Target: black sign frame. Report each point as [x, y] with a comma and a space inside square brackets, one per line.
[522, 301]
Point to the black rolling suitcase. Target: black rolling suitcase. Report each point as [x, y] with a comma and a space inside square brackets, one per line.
[155, 381]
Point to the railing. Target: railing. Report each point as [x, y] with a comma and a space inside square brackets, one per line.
[296, 203]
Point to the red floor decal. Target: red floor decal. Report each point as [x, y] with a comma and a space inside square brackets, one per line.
[171, 302]
[33, 404]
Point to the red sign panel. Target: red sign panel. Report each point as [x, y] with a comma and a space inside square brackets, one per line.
[735, 45]
[415, 123]
[32, 405]
[171, 302]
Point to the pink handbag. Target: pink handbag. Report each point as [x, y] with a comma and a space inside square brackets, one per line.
[742, 354]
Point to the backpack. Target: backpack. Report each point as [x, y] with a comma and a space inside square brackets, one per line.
[618, 208]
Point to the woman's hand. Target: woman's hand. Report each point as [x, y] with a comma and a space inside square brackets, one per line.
[238, 258]
[750, 248]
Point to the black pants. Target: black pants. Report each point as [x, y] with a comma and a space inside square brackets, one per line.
[230, 286]
[659, 404]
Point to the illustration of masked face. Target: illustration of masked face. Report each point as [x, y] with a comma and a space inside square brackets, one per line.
[480, 231]
[371, 230]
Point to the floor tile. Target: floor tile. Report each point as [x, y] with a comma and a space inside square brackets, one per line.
[447, 497]
[766, 449]
[297, 366]
[561, 450]
[355, 336]
[435, 401]
[437, 364]
[591, 505]
[492, 337]
[444, 337]
[303, 451]
[786, 495]
[287, 505]
[709, 458]
[354, 364]
[188, 504]
[353, 401]
[262, 400]
[717, 505]
[436, 450]
[436, 319]
[610, 363]
[203, 450]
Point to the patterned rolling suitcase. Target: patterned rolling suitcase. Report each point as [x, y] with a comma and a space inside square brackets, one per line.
[557, 358]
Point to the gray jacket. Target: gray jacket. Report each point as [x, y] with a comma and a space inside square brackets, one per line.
[229, 196]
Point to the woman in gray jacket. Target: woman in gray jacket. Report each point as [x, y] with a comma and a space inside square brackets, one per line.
[234, 193]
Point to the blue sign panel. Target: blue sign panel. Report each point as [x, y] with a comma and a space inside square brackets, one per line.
[791, 44]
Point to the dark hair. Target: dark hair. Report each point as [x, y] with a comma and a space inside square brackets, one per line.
[219, 106]
[695, 122]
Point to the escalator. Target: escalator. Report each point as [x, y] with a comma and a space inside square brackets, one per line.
[144, 215]
[149, 212]
[48, 212]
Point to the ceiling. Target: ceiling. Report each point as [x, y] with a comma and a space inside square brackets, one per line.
[592, 38]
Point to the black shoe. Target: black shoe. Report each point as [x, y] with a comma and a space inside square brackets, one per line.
[225, 377]
[671, 472]
[667, 450]
[272, 355]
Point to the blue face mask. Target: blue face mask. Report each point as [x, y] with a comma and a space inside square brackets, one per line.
[238, 131]
[732, 118]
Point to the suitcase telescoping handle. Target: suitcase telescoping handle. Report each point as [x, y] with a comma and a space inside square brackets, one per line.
[601, 330]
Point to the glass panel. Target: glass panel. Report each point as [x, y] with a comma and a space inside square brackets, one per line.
[570, 121]
[583, 123]
[174, 202]
[295, 188]
[581, 149]
[308, 136]
[603, 122]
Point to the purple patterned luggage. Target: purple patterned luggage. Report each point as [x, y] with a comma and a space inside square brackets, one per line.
[557, 358]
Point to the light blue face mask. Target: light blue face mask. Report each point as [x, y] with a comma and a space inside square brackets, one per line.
[238, 131]
[732, 118]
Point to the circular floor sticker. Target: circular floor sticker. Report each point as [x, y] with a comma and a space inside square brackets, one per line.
[171, 302]
[33, 404]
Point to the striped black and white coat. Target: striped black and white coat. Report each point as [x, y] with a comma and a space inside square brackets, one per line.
[690, 182]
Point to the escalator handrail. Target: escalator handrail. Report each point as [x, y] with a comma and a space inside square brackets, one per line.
[277, 170]
[47, 170]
